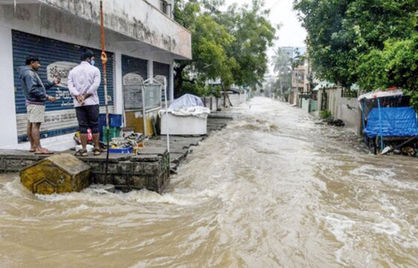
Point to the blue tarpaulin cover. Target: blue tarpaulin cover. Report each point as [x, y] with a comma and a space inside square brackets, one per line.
[394, 122]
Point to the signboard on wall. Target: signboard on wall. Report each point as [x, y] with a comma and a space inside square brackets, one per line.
[56, 57]
[61, 69]
[133, 85]
[134, 72]
[132, 91]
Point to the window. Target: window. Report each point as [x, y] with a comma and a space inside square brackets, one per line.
[164, 7]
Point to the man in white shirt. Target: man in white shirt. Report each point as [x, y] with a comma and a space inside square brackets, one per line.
[83, 82]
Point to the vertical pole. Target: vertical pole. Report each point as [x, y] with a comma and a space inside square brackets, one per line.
[144, 120]
[150, 70]
[363, 115]
[171, 83]
[166, 115]
[380, 125]
[104, 62]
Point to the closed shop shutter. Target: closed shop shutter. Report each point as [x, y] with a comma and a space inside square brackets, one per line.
[56, 57]
[134, 72]
[162, 69]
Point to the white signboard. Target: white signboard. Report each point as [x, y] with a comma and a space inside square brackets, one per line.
[62, 69]
[132, 90]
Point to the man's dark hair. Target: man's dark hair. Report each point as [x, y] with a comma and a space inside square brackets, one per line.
[87, 54]
[31, 58]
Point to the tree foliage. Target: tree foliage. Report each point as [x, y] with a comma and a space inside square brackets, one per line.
[227, 46]
[209, 40]
[283, 65]
[362, 41]
[253, 35]
[395, 65]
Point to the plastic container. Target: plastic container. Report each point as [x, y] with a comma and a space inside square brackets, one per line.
[89, 148]
[115, 120]
[183, 125]
[127, 150]
[115, 124]
[114, 132]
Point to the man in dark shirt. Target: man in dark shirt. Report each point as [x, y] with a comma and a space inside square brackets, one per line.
[35, 93]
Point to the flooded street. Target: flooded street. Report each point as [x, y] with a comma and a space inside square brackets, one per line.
[274, 189]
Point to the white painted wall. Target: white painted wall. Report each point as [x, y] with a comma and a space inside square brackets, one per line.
[150, 69]
[118, 88]
[349, 111]
[346, 109]
[157, 4]
[138, 20]
[8, 133]
[51, 23]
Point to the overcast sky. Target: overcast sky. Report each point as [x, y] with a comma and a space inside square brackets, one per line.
[291, 32]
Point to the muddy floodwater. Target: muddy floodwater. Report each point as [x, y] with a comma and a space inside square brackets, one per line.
[273, 189]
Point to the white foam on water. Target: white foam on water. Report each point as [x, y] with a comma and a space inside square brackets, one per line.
[339, 226]
[16, 189]
[383, 175]
[386, 227]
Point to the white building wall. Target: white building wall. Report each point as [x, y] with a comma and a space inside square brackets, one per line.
[157, 4]
[48, 22]
[8, 133]
[150, 69]
[139, 20]
[118, 83]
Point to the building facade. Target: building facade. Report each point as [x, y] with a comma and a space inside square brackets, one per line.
[300, 82]
[142, 41]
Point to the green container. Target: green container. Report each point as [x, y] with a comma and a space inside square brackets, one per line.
[114, 132]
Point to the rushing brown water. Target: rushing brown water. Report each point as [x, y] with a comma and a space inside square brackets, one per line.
[274, 189]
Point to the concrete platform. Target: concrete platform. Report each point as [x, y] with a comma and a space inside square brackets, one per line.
[150, 169]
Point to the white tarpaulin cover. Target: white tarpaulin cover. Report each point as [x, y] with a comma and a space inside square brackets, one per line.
[197, 111]
[185, 101]
[188, 105]
[381, 94]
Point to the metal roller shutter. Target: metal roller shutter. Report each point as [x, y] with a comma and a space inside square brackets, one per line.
[56, 57]
[134, 65]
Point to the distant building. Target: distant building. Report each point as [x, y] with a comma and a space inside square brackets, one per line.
[300, 82]
[293, 52]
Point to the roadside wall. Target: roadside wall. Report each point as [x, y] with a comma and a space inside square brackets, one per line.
[215, 104]
[346, 109]
[306, 105]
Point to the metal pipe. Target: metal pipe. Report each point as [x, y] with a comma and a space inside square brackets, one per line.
[103, 57]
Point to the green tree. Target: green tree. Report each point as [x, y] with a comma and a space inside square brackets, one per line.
[253, 34]
[283, 65]
[341, 33]
[230, 46]
[395, 65]
[209, 40]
